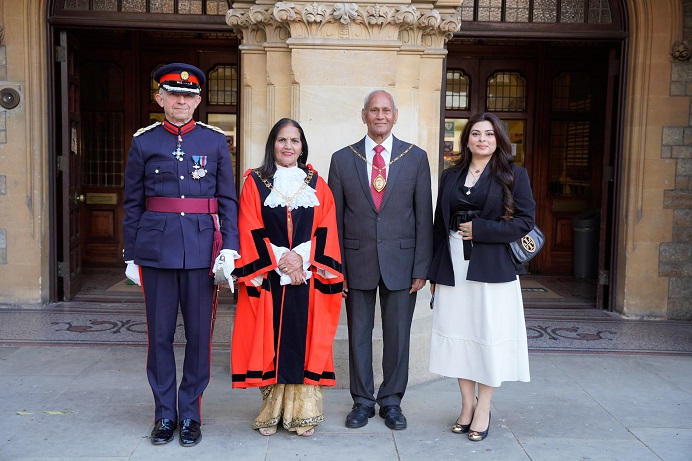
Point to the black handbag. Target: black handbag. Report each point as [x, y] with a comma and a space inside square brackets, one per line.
[524, 249]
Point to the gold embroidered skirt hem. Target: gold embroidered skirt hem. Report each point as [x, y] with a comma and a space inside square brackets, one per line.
[298, 406]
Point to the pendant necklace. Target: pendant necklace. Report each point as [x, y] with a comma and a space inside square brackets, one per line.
[475, 176]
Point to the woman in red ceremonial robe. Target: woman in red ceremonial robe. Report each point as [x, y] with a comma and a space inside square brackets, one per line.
[290, 285]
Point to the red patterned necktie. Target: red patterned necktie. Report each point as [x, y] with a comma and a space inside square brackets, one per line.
[379, 169]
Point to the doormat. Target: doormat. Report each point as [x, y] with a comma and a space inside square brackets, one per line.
[530, 289]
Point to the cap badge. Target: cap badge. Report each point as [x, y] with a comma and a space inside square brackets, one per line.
[184, 76]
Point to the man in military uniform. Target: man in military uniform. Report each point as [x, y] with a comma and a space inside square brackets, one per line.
[179, 201]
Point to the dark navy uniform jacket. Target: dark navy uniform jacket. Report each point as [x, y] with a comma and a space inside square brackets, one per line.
[177, 240]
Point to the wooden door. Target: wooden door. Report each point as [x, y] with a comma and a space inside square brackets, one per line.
[107, 119]
[553, 101]
[569, 150]
[69, 166]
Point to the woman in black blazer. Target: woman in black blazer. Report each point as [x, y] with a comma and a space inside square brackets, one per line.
[479, 333]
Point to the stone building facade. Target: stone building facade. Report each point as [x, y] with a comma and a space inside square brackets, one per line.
[328, 49]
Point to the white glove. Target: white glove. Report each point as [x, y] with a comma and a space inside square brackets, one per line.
[132, 272]
[225, 262]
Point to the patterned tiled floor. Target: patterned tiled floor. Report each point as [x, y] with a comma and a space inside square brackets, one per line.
[586, 330]
[560, 316]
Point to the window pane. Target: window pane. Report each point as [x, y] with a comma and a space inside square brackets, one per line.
[222, 86]
[457, 90]
[77, 5]
[103, 144]
[490, 10]
[189, 6]
[218, 7]
[506, 92]
[515, 130]
[517, 11]
[139, 6]
[105, 5]
[453, 129]
[227, 122]
[599, 12]
[545, 11]
[572, 11]
[570, 172]
[467, 11]
[161, 6]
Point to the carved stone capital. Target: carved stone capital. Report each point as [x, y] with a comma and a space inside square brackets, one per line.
[344, 24]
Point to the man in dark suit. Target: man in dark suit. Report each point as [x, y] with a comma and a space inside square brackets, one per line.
[381, 188]
[179, 200]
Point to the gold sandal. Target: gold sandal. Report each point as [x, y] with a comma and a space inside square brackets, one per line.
[267, 431]
[307, 433]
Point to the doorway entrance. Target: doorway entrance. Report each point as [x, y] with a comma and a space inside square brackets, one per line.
[104, 94]
[557, 101]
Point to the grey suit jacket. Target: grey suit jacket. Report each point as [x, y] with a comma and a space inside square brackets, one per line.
[396, 242]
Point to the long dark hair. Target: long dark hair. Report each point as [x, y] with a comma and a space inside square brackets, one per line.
[501, 161]
[268, 167]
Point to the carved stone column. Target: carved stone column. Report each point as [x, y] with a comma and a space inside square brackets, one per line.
[315, 62]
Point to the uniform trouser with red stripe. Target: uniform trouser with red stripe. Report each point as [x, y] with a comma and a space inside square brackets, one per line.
[164, 291]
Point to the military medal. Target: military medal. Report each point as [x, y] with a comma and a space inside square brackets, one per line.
[200, 162]
[178, 152]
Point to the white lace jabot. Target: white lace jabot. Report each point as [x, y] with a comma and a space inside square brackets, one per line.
[288, 182]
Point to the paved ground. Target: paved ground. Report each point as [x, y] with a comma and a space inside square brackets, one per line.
[93, 403]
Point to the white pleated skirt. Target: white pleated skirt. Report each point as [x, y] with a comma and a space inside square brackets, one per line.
[478, 330]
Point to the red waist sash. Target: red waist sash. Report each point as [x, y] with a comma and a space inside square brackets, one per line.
[183, 205]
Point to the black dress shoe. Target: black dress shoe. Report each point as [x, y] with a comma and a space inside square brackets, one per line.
[163, 431]
[190, 432]
[358, 417]
[393, 417]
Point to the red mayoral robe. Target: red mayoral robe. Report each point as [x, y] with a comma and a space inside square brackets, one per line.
[284, 334]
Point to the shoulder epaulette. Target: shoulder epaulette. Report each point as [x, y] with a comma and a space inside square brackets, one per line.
[211, 127]
[146, 128]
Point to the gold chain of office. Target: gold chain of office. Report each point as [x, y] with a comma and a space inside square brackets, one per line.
[288, 201]
[379, 182]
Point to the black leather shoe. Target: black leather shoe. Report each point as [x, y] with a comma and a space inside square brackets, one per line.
[163, 431]
[393, 417]
[359, 415]
[190, 432]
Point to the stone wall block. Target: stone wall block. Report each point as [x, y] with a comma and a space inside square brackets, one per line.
[682, 234]
[679, 309]
[682, 218]
[680, 287]
[684, 166]
[681, 152]
[3, 246]
[682, 182]
[675, 252]
[676, 269]
[678, 89]
[673, 136]
[681, 72]
[667, 152]
[677, 199]
[688, 136]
